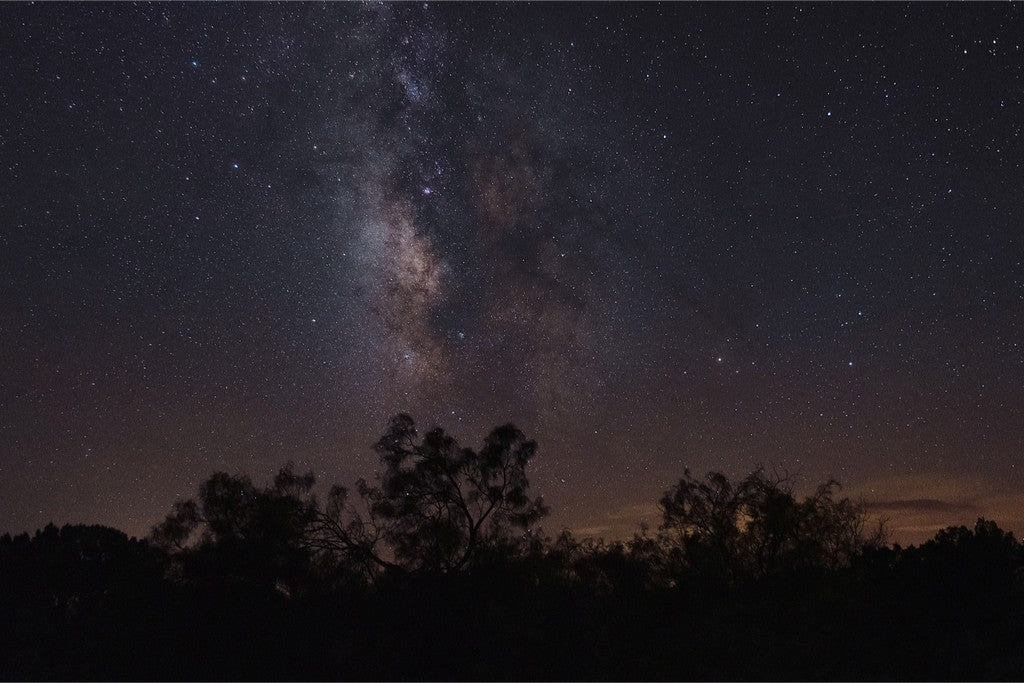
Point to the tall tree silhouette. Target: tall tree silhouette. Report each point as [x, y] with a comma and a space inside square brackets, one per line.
[436, 506]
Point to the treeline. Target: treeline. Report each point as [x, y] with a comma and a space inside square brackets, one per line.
[438, 569]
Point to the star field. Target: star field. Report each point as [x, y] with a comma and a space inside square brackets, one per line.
[653, 236]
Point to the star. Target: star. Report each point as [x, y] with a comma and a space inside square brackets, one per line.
[420, 178]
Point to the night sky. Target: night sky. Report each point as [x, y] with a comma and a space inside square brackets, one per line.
[653, 236]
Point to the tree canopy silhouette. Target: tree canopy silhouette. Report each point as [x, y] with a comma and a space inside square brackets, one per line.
[236, 529]
[757, 527]
[436, 506]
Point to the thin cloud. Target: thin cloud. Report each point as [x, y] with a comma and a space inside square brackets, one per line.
[919, 505]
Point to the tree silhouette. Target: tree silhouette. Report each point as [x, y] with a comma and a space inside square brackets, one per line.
[757, 527]
[436, 506]
[977, 567]
[254, 535]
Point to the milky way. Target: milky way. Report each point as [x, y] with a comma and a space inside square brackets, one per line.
[654, 236]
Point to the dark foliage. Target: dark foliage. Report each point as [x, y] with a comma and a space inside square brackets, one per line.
[757, 528]
[437, 571]
[436, 507]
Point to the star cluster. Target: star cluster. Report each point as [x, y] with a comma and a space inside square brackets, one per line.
[654, 236]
